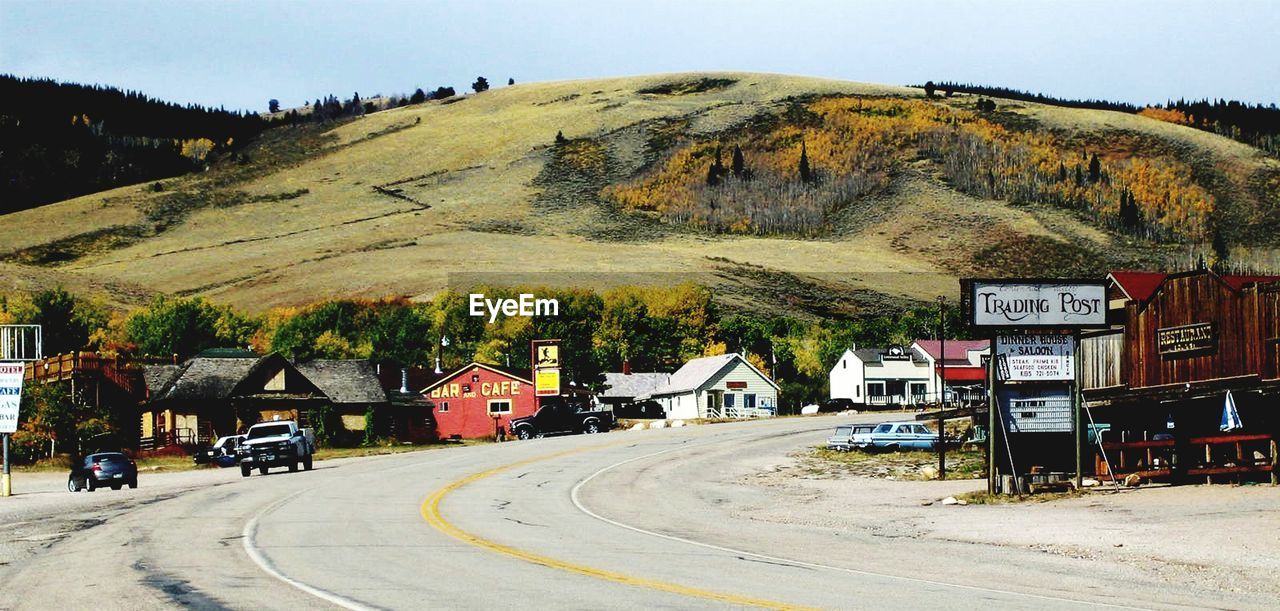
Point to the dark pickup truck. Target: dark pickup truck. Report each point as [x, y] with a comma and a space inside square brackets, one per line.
[557, 416]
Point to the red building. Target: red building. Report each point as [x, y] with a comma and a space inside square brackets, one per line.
[473, 401]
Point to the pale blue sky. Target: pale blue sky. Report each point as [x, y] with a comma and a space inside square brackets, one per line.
[240, 53]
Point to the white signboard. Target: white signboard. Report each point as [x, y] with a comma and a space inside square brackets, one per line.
[10, 396]
[1039, 304]
[1035, 357]
[1037, 411]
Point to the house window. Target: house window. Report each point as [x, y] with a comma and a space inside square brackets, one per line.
[918, 391]
[875, 389]
[749, 401]
[857, 391]
[500, 406]
[844, 363]
[475, 377]
[444, 407]
[729, 399]
[466, 388]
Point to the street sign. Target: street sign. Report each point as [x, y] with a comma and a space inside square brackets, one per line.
[1043, 357]
[1026, 304]
[10, 395]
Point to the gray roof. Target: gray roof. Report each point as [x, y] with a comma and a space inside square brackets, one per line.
[633, 384]
[872, 355]
[156, 377]
[200, 378]
[345, 381]
[697, 372]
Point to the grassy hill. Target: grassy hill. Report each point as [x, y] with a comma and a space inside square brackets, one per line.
[478, 188]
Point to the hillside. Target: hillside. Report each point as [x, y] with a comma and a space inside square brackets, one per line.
[907, 195]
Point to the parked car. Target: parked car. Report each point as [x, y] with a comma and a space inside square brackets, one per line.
[837, 405]
[223, 452]
[556, 415]
[842, 439]
[897, 436]
[94, 471]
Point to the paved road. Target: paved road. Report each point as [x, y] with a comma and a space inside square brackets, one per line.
[646, 519]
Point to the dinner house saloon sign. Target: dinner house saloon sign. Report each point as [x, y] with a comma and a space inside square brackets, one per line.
[1043, 304]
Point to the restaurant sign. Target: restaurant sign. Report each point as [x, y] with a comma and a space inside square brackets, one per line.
[1025, 304]
[1023, 358]
[1186, 340]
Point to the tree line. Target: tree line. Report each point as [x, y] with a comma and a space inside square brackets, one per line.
[653, 329]
[1257, 125]
[60, 140]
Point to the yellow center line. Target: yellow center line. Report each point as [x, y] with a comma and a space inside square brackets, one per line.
[431, 513]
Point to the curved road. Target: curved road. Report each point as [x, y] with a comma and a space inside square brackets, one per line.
[646, 519]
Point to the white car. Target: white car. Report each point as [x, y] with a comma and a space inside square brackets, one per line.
[842, 439]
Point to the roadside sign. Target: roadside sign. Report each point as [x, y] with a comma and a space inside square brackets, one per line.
[546, 382]
[1041, 357]
[1026, 304]
[10, 395]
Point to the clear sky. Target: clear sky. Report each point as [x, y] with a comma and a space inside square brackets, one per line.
[239, 54]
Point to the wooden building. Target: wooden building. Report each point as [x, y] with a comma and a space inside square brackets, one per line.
[478, 399]
[214, 395]
[1157, 380]
[724, 386]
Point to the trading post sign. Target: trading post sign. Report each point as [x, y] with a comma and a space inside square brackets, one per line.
[10, 396]
[1023, 358]
[1028, 304]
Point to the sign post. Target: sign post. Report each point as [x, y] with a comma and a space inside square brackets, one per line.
[1049, 309]
[546, 369]
[18, 344]
[10, 399]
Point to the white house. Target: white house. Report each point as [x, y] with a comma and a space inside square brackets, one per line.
[724, 386]
[906, 375]
[880, 376]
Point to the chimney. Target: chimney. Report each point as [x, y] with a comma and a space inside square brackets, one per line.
[404, 381]
[626, 367]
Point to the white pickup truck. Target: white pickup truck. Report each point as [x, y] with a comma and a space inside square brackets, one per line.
[279, 443]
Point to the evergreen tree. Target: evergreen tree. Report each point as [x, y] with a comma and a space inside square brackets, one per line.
[929, 89]
[1221, 250]
[481, 84]
[511, 81]
[715, 171]
[1095, 169]
[1062, 172]
[1079, 177]
[560, 139]
[419, 96]
[806, 174]
[739, 163]
[273, 105]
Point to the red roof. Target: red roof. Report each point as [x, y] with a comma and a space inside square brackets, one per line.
[966, 374]
[957, 349]
[1140, 286]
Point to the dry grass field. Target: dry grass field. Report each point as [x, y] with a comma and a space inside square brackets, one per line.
[412, 200]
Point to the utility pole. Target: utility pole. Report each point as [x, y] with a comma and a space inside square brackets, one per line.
[942, 386]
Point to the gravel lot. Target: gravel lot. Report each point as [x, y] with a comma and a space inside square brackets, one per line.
[1220, 536]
